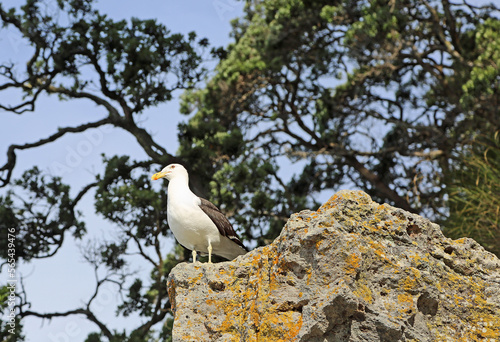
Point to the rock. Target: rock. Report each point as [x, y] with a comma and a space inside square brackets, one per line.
[354, 270]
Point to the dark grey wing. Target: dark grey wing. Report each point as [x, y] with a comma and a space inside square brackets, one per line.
[221, 222]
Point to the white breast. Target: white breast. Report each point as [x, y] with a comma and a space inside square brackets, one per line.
[190, 225]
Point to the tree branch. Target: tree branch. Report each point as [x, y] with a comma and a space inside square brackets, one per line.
[80, 311]
[375, 180]
[8, 167]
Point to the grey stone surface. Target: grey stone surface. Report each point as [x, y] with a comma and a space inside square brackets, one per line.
[354, 270]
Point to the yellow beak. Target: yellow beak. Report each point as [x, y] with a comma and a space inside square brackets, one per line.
[158, 175]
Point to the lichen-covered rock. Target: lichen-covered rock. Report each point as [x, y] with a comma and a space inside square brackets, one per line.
[354, 270]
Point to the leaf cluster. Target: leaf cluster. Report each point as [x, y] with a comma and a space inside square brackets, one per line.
[125, 197]
[8, 333]
[474, 196]
[138, 63]
[366, 94]
[41, 210]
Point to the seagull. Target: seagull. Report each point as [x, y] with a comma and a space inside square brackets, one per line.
[197, 224]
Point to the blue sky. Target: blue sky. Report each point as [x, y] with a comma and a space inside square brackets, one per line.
[65, 282]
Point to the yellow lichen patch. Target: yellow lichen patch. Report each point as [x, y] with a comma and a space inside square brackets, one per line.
[318, 246]
[353, 262]
[309, 275]
[483, 315]
[172, 293]
[460, 241]
[381, 254]
[248, 305]
[238, 310]
[313, 215]
[331, 203]
[197, 278]
[362, 291]
[390, 308]
[358, 196]
[467, 294]
[406, 304]
[279, 326]
[418, 259]
[379, 249]
[410, 282]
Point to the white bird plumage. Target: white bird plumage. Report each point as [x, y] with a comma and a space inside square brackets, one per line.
[197, 224]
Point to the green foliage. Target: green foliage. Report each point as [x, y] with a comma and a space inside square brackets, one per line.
[371, 94]
[10, 326]
[125, 196]
[162, 61]
[94, 337]
[484, 81]
[9, 334]
[474, 196]
[124, 67]
[137, 301]
[41, 210]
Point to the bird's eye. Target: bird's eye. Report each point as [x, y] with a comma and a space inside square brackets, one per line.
[173, 166]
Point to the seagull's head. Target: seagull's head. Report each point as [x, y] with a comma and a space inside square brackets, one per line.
[170, 171]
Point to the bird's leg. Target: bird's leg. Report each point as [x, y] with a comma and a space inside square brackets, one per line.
[194, 256]
[209, 252]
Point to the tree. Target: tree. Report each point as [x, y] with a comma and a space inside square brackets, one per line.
[124, 67]
[376, 95]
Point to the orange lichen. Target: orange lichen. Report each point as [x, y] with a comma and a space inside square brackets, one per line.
[362, 291]
[409, 282]
[353, 261]
[406, 304]
[250, 310]
[249, 304]
[379, 250]
[279, 326]
[481, 314]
